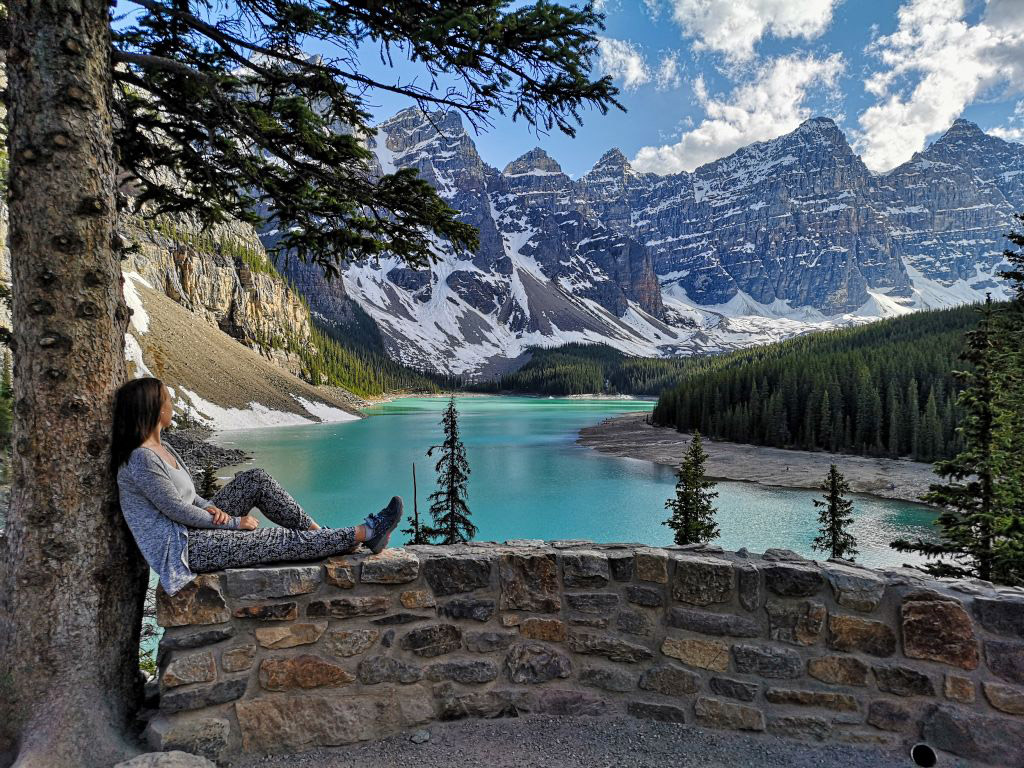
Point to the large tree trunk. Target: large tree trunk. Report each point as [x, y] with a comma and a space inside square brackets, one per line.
[71, 579]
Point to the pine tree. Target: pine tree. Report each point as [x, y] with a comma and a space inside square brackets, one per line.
[835, 517]
[448, 504]
[693, 514]
[969, 518]
[208, 485]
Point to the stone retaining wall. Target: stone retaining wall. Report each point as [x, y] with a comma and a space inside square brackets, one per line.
[291, 657]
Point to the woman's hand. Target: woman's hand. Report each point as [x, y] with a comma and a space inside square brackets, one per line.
[220, 517]
[248, 523]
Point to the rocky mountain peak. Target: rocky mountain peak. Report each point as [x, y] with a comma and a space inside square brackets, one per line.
[536, 162]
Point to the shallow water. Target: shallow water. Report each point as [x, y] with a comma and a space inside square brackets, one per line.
[529, 478]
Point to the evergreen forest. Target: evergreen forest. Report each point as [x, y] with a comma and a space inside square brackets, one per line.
[884, 389]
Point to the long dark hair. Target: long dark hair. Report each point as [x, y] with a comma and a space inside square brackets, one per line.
[136, 414]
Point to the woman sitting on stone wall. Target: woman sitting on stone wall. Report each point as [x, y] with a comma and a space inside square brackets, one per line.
[181, 533]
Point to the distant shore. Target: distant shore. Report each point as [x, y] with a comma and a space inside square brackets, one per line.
[629, 436]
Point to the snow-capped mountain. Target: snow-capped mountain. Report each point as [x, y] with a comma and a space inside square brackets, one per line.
[779, 238]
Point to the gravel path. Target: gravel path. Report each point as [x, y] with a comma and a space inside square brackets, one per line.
[629, 436]
[540, 741]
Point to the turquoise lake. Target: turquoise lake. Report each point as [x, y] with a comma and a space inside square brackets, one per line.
[529, 478]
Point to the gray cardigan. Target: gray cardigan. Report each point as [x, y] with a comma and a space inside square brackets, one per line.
[159, 518]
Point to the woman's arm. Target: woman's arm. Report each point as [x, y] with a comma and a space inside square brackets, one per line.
[153, 483]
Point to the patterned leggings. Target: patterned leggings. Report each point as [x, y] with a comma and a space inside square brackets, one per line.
[212, 549]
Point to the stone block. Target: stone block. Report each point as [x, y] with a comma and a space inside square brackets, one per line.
[453, 575]
[939, 630]
[297, 723]
[975, 736]
[452, 705]
[344, 643]
[549, 701]
[529, 582]
[303, 671]
[766, 661]
[664, 713]
[340, 572]
[777, 554]
[467, 672]
[271, 582]
[610, 647]
[607, 679]
[581, 620]
[205, 736]
[238, 659]
[268, 612]
[1005, 659]
[476, 609]
[803, 727]
[392, 566]
[172, 641]
[199, 602]
[720, 624]
[431, 641]
[798, 623]
[193, 668]
[792, 579]
[840, 702]
[290, 635]
[702, 580]
[703, 654]
[649, 597]
[396, 619]
[651, 565]
[855, 588]
[1001, 615]
[748, 584]
[488, 642]
[599, 603]
[838, 670]
[734, 689]
[198, 696]
[417, 598]
[383, 669]
[959, 689]
[903, 681]
[621, 565]
[511, 619]
[634, 623]
[670, 680]
[855, 635]
[348, 607]
[551, 630]
[1005, 698]
[536, 663]
[726, 714]
[888, 715]
[584, 569]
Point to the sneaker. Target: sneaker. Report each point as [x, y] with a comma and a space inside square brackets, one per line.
[383, 523]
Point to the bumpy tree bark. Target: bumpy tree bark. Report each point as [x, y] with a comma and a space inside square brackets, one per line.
[71, 579]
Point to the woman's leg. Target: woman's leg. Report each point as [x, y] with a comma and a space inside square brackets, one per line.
[210, 549]
[256, 488]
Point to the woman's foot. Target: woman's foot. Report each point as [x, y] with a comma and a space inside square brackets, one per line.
[382, 524]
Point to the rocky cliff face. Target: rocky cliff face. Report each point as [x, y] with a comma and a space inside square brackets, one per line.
[258, 308]
[781, 237]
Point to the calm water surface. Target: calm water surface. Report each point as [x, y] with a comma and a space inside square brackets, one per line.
[530, 480]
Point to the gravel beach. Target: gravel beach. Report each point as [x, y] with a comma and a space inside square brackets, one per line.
[586, 742]
[629, 436]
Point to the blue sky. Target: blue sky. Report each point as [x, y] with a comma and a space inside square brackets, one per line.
[701, 78]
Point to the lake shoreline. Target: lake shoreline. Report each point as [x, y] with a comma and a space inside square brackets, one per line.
[628, 436]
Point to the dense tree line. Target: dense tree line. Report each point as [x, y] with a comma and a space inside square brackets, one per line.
[884, 389]
[584, 369]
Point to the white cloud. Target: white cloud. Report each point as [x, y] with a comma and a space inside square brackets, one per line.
[622, 60]
[771, 104]
[653, 9]
[668, 75]
[734, 27]
[1014, 128]
[935, 64]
